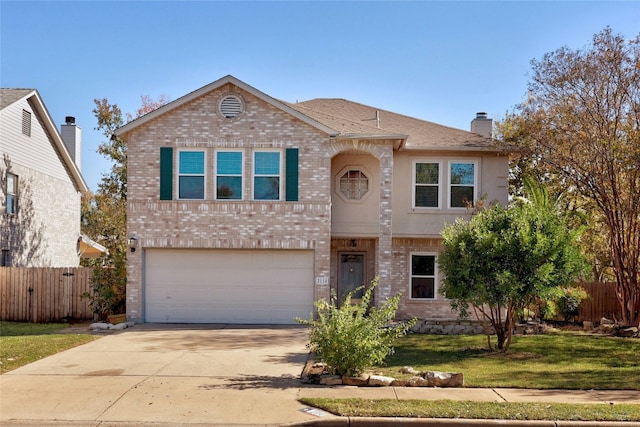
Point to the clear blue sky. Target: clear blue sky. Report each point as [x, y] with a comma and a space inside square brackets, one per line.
[438, 61]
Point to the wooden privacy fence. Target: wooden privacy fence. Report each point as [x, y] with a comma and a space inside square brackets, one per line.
[44, 294]
[602, 302]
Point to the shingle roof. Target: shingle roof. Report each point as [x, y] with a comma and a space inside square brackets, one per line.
[348, 118]
[9, 96]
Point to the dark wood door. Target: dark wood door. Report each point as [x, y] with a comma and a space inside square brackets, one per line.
[351, 275]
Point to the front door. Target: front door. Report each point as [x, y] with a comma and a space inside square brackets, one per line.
[350, 276]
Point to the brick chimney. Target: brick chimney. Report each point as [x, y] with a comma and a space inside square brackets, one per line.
[72, 138]
[482, 125]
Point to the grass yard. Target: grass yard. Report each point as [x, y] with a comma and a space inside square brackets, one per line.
[554, 360]
[23, 343]
[476, 410]
[551, 361]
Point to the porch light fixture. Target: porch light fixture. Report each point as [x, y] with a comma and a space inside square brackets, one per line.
[133, 242]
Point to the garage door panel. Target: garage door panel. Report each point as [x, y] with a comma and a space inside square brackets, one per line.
[225, 286]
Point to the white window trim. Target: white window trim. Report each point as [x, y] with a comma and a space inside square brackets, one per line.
[215, 174]
[435, 275]
[476, 184]
[254, 175]
[413, 183]
[11, 192]
[178, 174]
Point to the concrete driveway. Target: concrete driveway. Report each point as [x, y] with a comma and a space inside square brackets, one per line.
[173, 374]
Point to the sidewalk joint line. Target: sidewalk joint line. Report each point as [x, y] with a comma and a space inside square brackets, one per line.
[395, 392]
[501, 396]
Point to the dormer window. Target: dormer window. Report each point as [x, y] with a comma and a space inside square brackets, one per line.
[231, 107]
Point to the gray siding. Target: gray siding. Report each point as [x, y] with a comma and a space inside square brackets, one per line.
[46, 229]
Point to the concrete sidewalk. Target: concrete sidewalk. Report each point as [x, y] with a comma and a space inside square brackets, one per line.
[183, 375]
[475, 394]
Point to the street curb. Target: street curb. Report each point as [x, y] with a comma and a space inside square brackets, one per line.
[444, 422]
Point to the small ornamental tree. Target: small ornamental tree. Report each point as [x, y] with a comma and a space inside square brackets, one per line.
[351, 337]
[500, 261]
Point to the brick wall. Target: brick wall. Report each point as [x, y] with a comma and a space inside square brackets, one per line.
[437, 308]
[247, 224]
[45, 231]
[208, 223]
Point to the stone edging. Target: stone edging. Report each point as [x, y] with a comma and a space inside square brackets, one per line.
[315, 373]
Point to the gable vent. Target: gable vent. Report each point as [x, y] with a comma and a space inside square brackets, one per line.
[26, 123]
[231, 107]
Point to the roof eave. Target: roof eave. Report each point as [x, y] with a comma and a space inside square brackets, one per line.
[58, 142]
[459, 148]
[399, 140]
[90, 249]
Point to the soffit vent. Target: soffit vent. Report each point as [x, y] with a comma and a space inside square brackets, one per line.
[231, 107]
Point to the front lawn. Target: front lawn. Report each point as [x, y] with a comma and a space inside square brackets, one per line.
[550, 361]
[23, 343]
[476, 410]
[554, 360]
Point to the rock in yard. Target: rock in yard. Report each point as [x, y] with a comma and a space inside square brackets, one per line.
[418, 382]
[445, 379]
[360, 381]
[119, 326]
[330, 380]
[409, 370]
[99, 326]
[380, 380]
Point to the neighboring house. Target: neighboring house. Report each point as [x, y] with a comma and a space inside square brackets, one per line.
[41, 185]
[246, 209]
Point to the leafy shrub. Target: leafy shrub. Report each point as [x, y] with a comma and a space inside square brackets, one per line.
[569, 303]
[108, 289]
[350, 337]
[547, 308]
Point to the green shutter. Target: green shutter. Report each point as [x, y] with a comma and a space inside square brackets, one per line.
[291, 184]
[166, 173]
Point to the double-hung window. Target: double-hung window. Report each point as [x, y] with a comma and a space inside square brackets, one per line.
[191, 174]
[229, 175]
[267, 173]
[423, 276]
[12, 194]
[462, 184]
[426, 185]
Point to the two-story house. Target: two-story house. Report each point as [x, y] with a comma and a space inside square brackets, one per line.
[245, 209]
[41, 185]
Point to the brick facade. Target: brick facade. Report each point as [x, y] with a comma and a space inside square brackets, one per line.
[45, 231]
[211, 224]
[250, 224]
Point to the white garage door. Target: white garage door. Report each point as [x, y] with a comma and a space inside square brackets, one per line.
[228, 286]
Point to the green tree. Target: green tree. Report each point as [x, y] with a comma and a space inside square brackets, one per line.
[502, 259]
[104, 214]
[580, 129]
